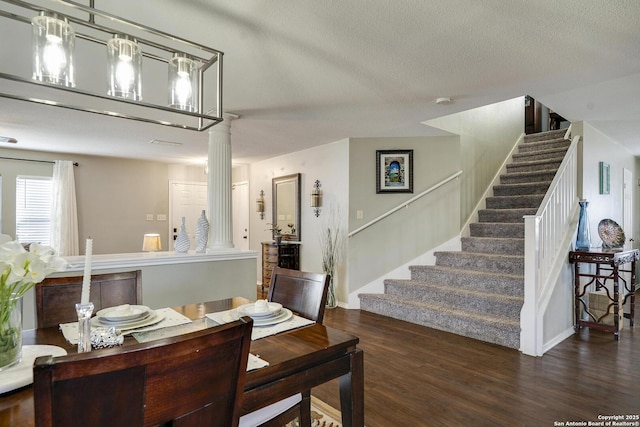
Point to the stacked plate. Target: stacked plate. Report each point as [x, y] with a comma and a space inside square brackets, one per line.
[126, 316]
[265, 313]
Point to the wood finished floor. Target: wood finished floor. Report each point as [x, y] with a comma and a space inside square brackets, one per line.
[417, 376]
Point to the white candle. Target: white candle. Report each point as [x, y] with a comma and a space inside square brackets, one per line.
[86, 280]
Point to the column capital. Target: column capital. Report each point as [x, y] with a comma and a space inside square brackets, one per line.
[225, 125]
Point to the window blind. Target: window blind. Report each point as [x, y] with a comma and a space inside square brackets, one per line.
[33, 209]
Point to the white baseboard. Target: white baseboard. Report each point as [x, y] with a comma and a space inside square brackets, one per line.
[558, 339]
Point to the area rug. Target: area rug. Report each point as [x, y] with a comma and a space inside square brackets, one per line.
[322, 415]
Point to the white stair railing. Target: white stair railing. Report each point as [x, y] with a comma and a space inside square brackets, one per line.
[544, 233]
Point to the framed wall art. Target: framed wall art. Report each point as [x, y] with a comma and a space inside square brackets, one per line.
[605, 183]
[394, 171]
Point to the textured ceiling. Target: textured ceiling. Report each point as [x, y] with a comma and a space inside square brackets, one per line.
[307, 72]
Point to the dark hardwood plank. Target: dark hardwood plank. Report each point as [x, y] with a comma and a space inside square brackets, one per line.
[417, 376]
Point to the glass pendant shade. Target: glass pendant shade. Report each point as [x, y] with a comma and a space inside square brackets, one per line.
[183, 83]
[53, 44]
[124, 58]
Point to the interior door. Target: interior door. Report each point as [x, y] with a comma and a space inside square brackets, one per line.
[188, 200]
[240, 206]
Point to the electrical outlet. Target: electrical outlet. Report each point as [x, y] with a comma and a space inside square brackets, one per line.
[161, 217]
[149, 217]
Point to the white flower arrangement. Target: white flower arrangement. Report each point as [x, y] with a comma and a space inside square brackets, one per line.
[20, 270]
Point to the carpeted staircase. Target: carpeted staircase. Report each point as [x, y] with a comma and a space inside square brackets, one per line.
[478, 292]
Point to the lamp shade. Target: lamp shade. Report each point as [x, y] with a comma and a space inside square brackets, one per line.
[183, 83]
[124, 58]
[53, 42]
[151, 243]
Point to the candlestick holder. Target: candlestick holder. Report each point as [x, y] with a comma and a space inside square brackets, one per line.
[84, 312]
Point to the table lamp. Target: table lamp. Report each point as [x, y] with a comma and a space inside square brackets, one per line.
[151, 243]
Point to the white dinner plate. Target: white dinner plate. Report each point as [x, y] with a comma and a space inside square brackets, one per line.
[21, 374]
[273, 309]
[120, 314]
[151, 320]
[127, 321]
[285, 314]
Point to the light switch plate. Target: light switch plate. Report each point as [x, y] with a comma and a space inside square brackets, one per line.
[149, 217]
[161, 217]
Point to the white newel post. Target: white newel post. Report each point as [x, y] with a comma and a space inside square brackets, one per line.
[219, 186]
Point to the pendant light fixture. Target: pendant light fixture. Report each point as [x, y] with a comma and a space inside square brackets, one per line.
[125, 67]
[69, 41]
[52, 45]
[183, 83]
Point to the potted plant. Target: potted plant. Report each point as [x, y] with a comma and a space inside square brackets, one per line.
[276, 231]
[20, 270]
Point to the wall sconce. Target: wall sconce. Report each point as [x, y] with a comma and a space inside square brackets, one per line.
[151, 243]
[260, 204]
[316, 198]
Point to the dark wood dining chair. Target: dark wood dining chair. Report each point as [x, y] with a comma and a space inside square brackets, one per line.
[195, 379]
[302, 292]
[56, 296]
[305, 294]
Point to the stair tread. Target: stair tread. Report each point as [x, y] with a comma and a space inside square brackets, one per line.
[493, 238]
[535, 162]
[509, 209]
[483, 255]
[524, 184]
[525, 173]
[443, 287]
[501, 320]
[486, 274]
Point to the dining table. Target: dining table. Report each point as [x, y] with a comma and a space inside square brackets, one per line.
[298, 360]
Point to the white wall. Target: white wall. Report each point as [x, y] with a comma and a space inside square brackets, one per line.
[327, 163]
[409, 232]
[599, 148]
[487, 135]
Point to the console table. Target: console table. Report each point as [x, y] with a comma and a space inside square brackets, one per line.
[608, 266]
[284, 254]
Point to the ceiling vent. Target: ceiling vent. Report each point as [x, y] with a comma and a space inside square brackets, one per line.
[163, 142]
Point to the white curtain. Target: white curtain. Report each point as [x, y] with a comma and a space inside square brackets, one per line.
[64, 214]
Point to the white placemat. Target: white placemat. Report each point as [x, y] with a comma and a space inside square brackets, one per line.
[171, 318]
[255, 362]
[258, 332]
[21, 374]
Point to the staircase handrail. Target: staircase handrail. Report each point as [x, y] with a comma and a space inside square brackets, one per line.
[404, 204]
[544, 236]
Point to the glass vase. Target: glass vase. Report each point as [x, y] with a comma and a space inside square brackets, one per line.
[10, 332]
[84, 312]
[583, 239]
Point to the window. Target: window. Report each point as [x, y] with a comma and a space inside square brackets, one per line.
[33, 209]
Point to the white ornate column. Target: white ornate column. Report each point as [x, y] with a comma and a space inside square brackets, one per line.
[219, 185]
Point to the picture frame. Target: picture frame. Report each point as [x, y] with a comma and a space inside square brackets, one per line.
[605, 180]
[394, 171]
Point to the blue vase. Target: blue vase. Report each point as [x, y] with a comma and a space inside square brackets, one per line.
[583, 240]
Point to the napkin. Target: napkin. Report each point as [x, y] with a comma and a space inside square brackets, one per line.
[258, 332]
[171, 318]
